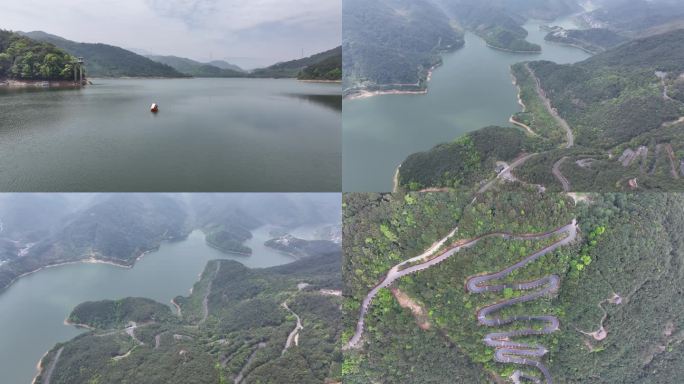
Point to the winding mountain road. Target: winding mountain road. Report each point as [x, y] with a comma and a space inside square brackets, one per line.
[507, 351]
[559, 175]
[398, 271]
[506, 173]
[51, 368]
[205, 301]
[294, 335]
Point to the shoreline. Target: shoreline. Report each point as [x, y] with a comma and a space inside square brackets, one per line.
[593, 53]
[395, 180]
[89, 260]
[40, 84]
[39, 367]
[78, 325]
[512, 119]
[421, 90]
[227, 252]
[512, 51]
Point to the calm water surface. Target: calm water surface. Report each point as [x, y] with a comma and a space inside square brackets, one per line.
[32, 311]
[473, 89]
[210, 135]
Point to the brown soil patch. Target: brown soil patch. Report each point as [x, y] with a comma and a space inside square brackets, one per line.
[418, 311]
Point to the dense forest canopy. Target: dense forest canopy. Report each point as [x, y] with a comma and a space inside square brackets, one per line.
[24, 59]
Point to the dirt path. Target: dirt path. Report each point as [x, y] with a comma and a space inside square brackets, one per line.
[601, 333]
[293, 337]
[398, 272]
[205, 301]
[557, 173]
[570, 138]
[51, 368]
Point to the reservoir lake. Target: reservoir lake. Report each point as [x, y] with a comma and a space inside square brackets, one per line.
[210, 135]
[33, 310]
[471, 90]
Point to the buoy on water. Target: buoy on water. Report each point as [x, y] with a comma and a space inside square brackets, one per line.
[154, 108]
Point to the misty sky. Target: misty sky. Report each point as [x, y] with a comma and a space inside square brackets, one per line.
[249, 33]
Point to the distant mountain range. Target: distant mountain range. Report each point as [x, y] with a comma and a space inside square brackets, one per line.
[197, 69]
[104, 60]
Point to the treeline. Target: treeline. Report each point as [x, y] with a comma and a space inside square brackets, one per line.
[24, 59]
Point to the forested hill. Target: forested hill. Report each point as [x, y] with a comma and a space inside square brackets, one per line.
[22, 58]
[104, 60]
[195, 68]
[238, 325]
[328, 69]
[393, 42]
[293, 68]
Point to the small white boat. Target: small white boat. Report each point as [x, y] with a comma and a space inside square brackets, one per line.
[154, 108]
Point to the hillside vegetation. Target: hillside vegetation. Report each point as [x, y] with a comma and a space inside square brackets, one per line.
[104, 60]
[22, 58]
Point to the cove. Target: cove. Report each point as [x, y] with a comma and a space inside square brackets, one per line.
[210, 135]
[32, 311]
[471, 90]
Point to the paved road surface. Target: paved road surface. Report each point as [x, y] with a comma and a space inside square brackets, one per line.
[508, 351]
[399, 271]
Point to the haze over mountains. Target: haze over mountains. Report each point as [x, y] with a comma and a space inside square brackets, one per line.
[393, 44]
[104, 60]
[119, 228]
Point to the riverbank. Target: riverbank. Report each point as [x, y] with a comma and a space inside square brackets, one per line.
[31, 84]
